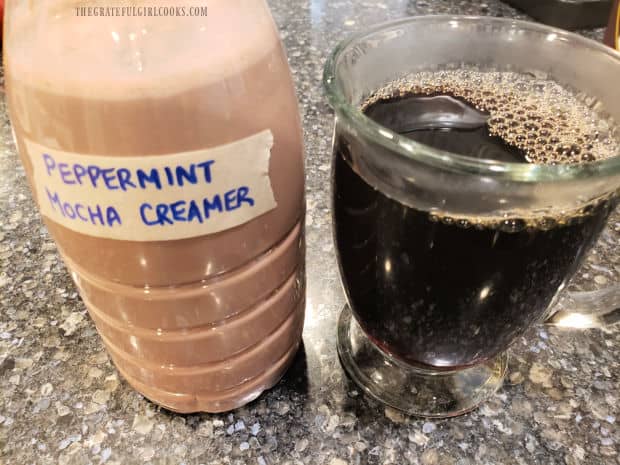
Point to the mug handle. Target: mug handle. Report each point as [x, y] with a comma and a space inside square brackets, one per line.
[587, 309]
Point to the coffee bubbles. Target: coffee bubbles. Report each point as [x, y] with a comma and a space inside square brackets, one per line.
[549, 123]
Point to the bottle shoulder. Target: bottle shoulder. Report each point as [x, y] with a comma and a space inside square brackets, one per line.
[61, 51]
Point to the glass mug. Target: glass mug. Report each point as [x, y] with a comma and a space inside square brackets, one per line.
[179, 216]
[435, 300]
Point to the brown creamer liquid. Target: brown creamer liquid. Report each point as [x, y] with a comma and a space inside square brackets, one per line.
[200, 324]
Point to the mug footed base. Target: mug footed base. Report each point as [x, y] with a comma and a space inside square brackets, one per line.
[424, 393]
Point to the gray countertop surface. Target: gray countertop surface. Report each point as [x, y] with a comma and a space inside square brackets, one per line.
[62, 401]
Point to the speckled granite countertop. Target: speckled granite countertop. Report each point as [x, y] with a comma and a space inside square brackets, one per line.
[62, 401]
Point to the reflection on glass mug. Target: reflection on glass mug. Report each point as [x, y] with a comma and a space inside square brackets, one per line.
[470, 178]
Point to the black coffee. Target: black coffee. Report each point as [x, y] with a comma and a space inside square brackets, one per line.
[439, 291]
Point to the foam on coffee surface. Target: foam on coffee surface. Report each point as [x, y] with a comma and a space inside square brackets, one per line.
[548, 122]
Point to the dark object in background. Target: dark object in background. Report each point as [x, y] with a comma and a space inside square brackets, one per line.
[567, 14]
[612, 36]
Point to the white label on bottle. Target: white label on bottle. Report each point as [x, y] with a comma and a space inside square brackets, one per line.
[155, 197]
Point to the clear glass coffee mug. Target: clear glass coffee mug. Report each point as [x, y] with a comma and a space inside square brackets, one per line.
[399, 203]
[163, 146]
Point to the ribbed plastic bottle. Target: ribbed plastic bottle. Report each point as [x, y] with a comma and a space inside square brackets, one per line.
[164, 150]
